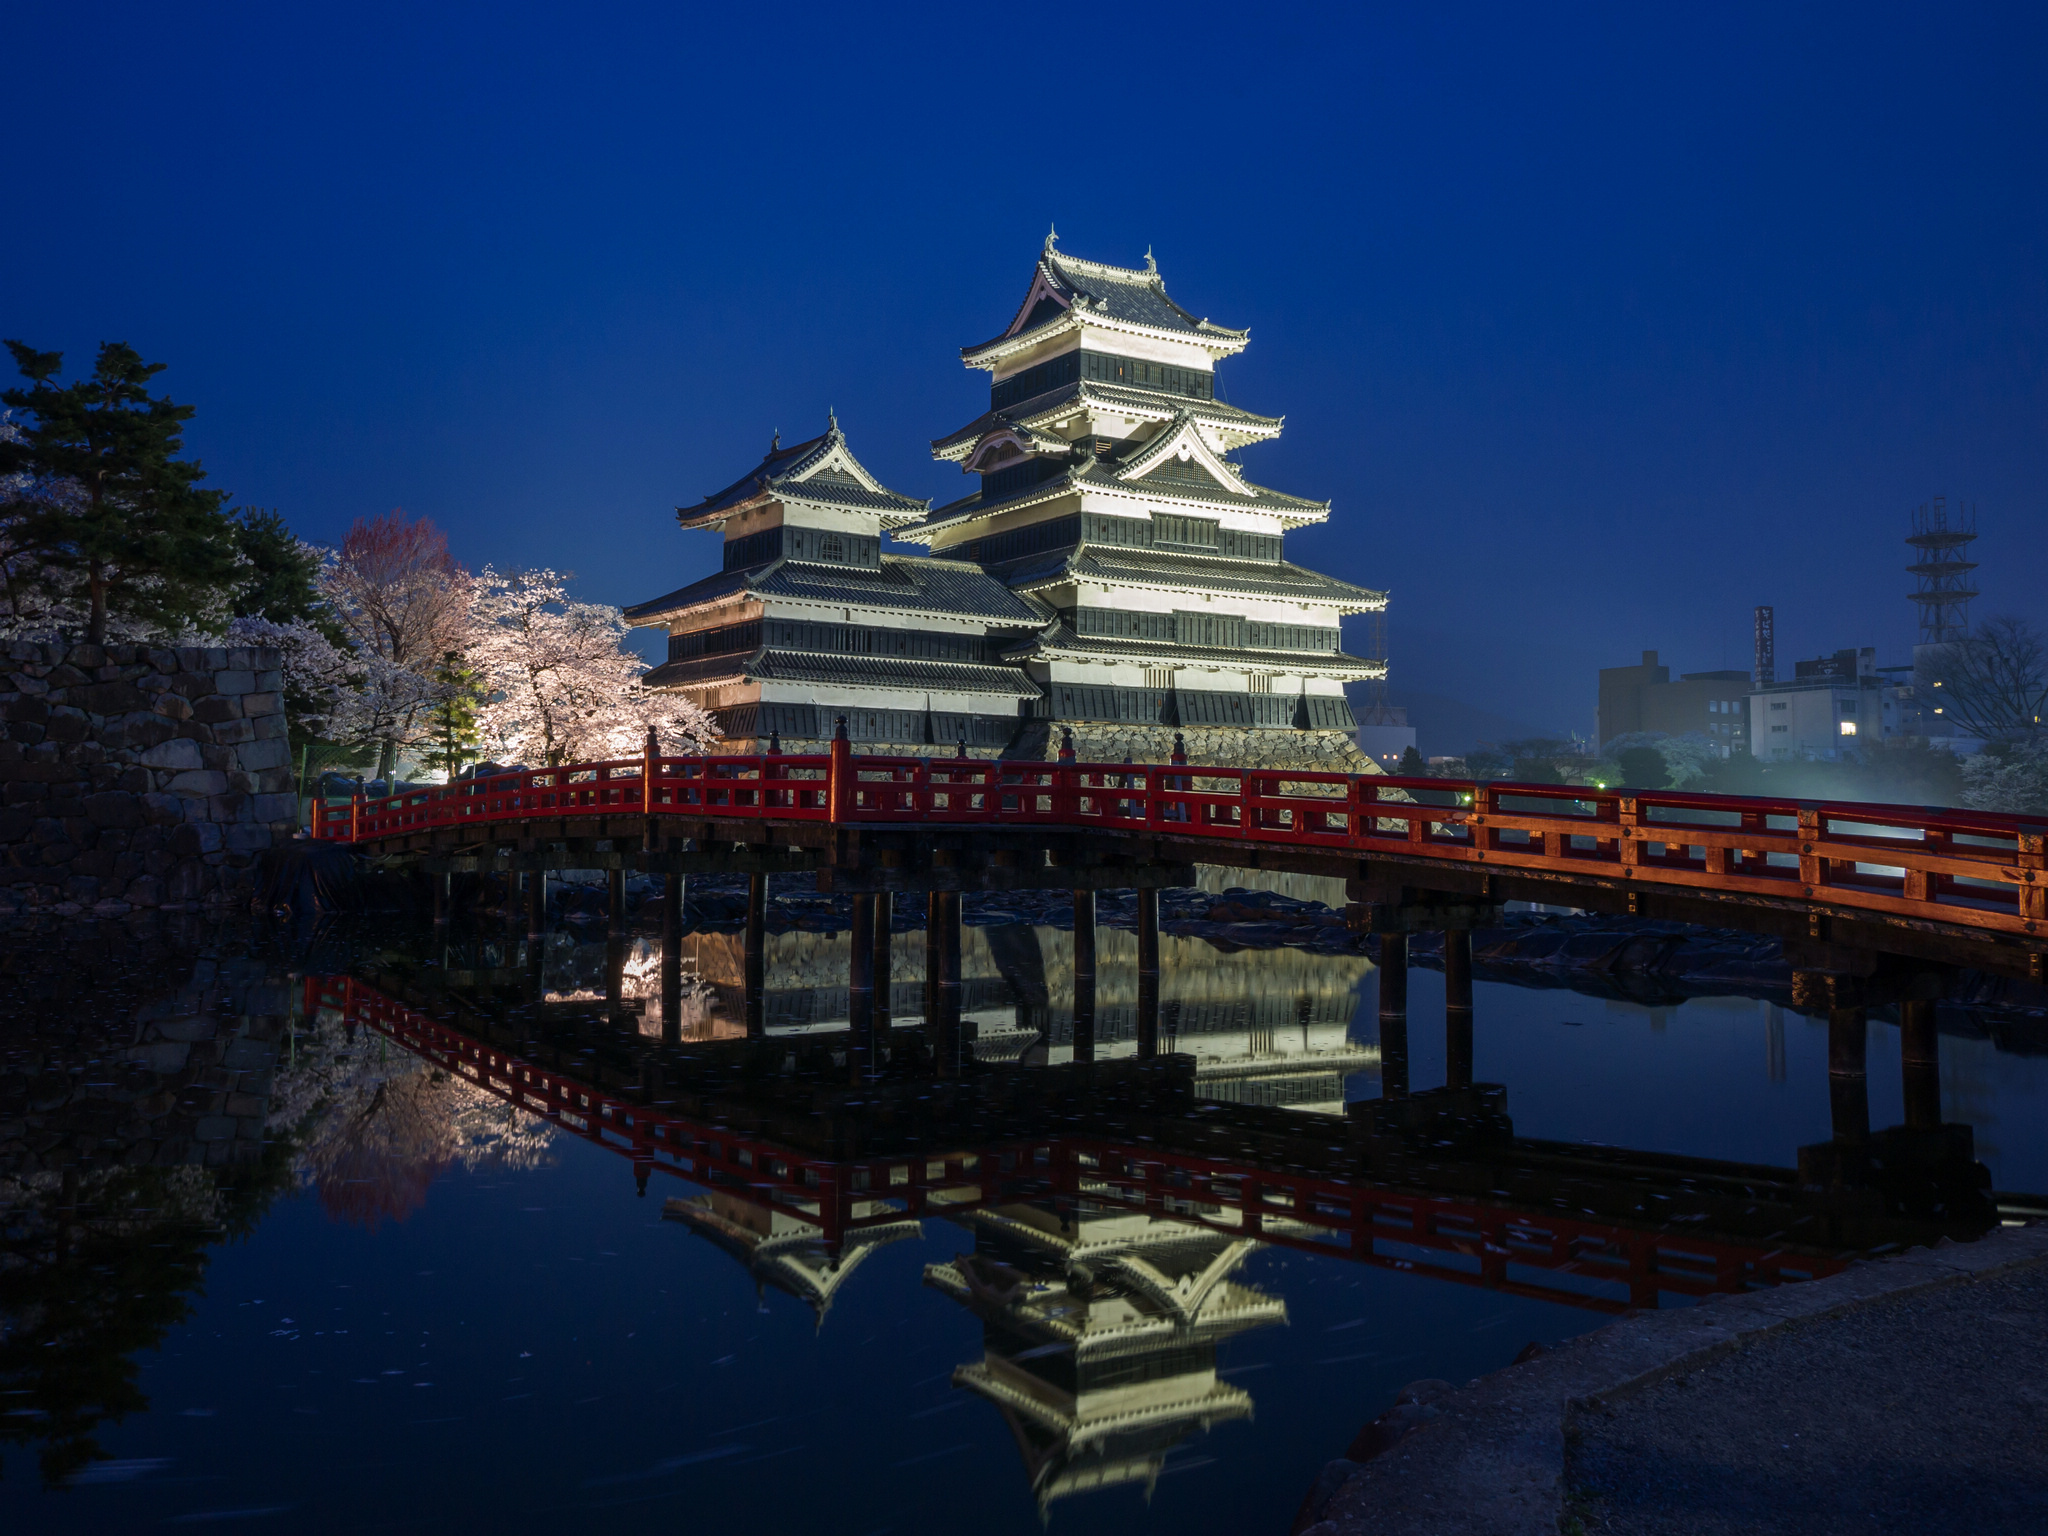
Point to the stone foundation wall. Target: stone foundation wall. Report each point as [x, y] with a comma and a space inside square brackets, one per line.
[138, 776]
[1039, 740]
[1225, 746]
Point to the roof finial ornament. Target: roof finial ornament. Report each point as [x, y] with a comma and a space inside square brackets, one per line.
[1052, 235]
[1151, 265]
[832, 418]
[775, 442]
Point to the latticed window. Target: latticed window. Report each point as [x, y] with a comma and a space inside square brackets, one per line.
[1159, 677]
[1259, 682]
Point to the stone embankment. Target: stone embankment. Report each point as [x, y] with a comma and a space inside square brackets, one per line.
[1915, 1377]
[122, 1047]
[136, 776]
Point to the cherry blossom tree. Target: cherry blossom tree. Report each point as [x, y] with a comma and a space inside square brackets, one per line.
[561, 686]
[403, 602]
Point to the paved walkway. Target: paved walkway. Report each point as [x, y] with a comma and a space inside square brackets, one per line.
[1927, 1413]
[1908, 1394]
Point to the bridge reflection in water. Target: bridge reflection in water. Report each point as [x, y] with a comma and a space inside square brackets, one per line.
[1113, 1187]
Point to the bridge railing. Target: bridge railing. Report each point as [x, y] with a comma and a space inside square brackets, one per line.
[1981, 868]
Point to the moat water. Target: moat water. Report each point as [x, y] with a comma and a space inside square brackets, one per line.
[287, 1244]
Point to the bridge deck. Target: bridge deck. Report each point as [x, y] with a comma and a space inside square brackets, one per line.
[875, 822]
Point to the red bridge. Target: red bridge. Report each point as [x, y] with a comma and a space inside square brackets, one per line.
[1949, 886]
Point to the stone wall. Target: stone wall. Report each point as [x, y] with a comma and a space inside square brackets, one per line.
[138, 776]
[1225, 746]
[1095, 742]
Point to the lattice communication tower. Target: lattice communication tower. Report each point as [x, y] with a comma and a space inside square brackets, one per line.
[1377, 711]
[1941, 539]
[1766, 670]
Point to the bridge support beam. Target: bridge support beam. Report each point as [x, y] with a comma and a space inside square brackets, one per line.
[755, 957]
[615, 905]
[1848, 1081]
[440, 883]
[1084, 975]
[1393, 972]
[1920, 1064]
[860, 980]
[947, 1030]
[536, 903]
[1148, 974]
[1457, 1008]
[884, 957]
[672, 960]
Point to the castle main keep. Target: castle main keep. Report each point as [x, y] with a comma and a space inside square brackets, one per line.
[1113, 573]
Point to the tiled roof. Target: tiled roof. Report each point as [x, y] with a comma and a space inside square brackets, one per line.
[1093, 473]
[1128, 295]
[697, 593]
[1156, 568]
[1062, 639]
[894, 672]
[904, 581]
[1030, 413]
[911, 583]
[783, 471]
[846, 671]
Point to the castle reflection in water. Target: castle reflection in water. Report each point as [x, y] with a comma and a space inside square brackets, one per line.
[1264, 1026]
[1107, 1205]
[1102, 1202]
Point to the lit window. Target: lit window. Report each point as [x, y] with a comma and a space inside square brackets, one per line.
[1848, 727]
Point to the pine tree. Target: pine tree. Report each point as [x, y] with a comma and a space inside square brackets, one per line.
[456, 734]
[124, 526]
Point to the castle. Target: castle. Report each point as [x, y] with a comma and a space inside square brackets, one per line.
[1114, 574]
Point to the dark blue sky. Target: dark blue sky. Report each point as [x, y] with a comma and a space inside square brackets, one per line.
[1597, 326]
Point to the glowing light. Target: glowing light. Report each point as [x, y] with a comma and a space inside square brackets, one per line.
[1848, 727]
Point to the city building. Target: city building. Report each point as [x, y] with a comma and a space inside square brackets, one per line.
[1830, 704]
[1115, 574]
[1384, 734]
[1644, 697]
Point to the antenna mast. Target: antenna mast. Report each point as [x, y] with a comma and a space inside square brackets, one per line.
[1941, 540]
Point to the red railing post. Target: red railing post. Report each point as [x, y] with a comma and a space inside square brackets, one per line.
[2032, 848]
[1066, 799]
[839, 782]
[1813, 870]
[1630, 847]
[355, 818]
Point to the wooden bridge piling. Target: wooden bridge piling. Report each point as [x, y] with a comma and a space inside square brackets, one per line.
[1148, 974]
[536, 903]
[950, 1044]
[860, 982]
[1848, 1081]
[884, 963]
[1393, 981]
[1457, 1007]
[754, 955]
[1920, 1063]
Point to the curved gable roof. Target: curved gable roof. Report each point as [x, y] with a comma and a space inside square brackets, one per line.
[821, 470]
[1067, 289]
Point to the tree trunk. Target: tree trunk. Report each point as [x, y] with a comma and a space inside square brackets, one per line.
[96, 625]
[387, 761]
